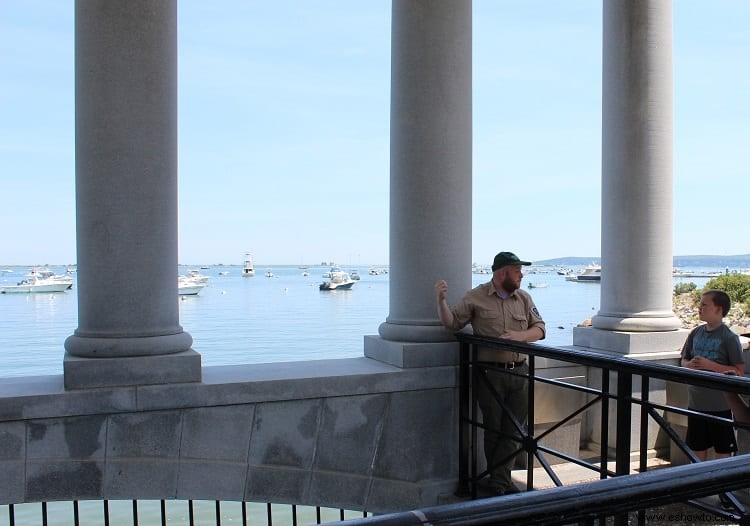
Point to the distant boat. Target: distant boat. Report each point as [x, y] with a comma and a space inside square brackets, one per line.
[223, 273]
[39, 281]
[592, 273]
[269, 274]
[196, 275]
[187, 286]
[537, 285]
[247, 269]
[354, 274]
[339, 280]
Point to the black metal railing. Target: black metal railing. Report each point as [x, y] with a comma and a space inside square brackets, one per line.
[150, 513]
[619, 398]
[590, 502]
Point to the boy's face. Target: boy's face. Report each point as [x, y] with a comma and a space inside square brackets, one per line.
[708, 310]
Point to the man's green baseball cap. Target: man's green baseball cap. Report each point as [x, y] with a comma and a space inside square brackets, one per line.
[507, 258]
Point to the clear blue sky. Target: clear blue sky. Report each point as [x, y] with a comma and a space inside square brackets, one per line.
[284, 123]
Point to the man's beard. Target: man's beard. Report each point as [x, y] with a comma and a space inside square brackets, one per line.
[508, 285]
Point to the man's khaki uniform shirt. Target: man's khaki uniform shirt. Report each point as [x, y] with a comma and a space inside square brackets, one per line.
[490, 315]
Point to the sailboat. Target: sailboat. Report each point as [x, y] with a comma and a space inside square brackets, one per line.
[247, 269]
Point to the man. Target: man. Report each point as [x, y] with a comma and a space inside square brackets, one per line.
[498, 309]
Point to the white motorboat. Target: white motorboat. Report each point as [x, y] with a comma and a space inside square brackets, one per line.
[537, 285]
[269, 274]
[48, 274]
[339, 280]
[248, 270]
[592, 272]
[354, 274]
[188, 287]
[35, 282]
[196, 275]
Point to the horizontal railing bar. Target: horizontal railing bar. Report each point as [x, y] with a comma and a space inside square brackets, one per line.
[672, 373]
[574, 460]
[604, 497]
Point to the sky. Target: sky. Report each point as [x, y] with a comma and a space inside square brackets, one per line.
[284, 130]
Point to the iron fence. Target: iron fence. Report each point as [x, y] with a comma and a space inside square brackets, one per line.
[618, 398]
[150, 513]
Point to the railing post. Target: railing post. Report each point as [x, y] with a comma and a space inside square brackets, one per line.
[463, 421]
[530, 427]
[474, 417]
[624, 422]
[604, 435]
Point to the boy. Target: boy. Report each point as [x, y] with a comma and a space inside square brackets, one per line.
[711, 347]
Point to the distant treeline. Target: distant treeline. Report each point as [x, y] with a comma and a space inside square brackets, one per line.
[733, 262]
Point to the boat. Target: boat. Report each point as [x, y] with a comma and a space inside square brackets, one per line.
[48, 274]
[339, 280]
[188, 287]
[223, 273]
[247, 269]
[329, 274]
[537, 285]
[269, 274]
[36, 282]
[592, 272]
[197, 276]
[354, 274]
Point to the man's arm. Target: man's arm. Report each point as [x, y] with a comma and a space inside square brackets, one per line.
[444, 311]
[530, 335]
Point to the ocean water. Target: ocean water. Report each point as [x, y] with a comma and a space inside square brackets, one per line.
[238, 320]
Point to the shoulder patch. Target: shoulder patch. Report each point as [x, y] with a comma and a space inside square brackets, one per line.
[535, 311]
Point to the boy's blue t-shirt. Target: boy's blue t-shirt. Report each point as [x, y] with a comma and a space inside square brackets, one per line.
[721, 346]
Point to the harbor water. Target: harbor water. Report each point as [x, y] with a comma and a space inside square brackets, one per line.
[236, 319]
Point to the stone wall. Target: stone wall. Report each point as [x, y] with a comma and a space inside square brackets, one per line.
[354, 434]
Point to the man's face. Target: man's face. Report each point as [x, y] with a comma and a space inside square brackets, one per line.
[510, 277]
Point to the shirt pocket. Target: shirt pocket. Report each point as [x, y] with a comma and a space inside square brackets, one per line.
[488, 314]
[520, 322]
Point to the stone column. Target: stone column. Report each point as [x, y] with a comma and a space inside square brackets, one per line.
[430, 193]
[126, 198]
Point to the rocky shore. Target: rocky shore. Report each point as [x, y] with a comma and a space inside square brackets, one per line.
[686, 309]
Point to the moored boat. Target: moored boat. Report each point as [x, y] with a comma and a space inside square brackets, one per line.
[37, 281]
[248, 269]
[592, 272]
[339, 280]
[188, 286]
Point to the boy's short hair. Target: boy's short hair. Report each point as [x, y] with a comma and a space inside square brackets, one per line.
[721, 299]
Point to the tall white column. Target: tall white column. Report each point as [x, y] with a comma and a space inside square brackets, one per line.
[636, 289]
[126, 195]
[430, 192]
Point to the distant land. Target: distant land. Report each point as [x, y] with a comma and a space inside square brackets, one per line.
[683, 262]
[733, 262]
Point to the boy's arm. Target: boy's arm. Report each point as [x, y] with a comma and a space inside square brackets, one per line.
[704, 364]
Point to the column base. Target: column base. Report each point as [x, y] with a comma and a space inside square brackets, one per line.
[406, 332]
[411, 354]
[632, 344]
[650, 324]
[99, 347]
[90, 373]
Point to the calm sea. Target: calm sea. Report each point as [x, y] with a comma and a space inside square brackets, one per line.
[238, 320]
